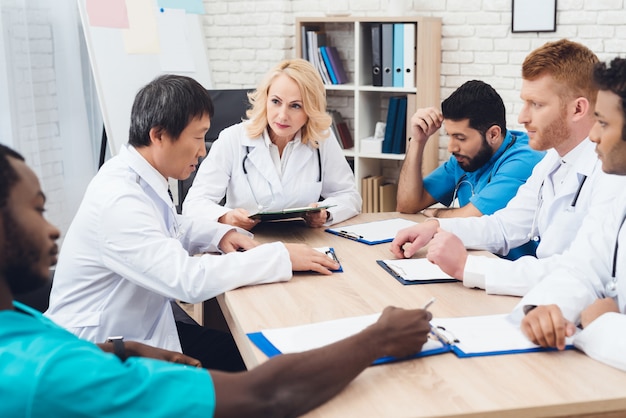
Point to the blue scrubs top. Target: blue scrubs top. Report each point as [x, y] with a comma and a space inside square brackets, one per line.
[49, 372]
[492, 186]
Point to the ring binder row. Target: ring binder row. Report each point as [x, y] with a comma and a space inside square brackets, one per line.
[393, 54]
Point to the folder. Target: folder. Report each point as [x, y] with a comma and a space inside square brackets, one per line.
[390, 127]
[398, 144]
[273, 342]
[388, 192]
[377, 44]
[344, 135]
[409, 55]
[415, 271]
[287, 214]
[398, 55]
[370, 194]
[387, 53]
[372, 233]
[338, 68]
[411, 108]
[333, 126]
[465, 336]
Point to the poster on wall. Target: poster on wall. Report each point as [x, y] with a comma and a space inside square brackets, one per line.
[534, 16]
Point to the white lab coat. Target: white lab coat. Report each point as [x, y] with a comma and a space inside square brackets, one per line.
[222, 174]
[581, 276]
[535, 207]
[127, 254]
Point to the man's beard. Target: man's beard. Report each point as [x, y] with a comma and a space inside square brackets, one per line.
[21, 258]
[483, 155]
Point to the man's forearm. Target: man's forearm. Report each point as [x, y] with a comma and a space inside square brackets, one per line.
[410, 198]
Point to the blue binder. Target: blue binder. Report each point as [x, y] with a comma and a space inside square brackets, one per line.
[398, 55]
[398, 144]
[390, 128]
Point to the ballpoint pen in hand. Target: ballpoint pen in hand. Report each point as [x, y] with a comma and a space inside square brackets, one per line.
[430, 302]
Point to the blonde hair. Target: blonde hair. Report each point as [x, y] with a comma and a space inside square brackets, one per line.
[569, 63]
[313, 94]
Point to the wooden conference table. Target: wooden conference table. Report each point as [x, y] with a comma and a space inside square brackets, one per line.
[518, 385]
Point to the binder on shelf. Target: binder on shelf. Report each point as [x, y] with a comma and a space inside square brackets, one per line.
[377, 44]
[372, 233]
[338, 69]
[411, 108]
[409, 55]
[415, 271]
[328, 65]
[390, 126]
[398, 144]
[398, 55]
[387, 54]
[471, 336]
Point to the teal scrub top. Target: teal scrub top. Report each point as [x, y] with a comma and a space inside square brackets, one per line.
[49, 372]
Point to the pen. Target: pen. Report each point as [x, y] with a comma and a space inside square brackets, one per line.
[349, 235]
[430, 302]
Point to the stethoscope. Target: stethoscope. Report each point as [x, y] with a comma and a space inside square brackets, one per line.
[534, 233]
[611, 287]
[464, 180]
[245, 171]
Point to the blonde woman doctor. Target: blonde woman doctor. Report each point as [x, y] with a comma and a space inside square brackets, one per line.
[284, 155]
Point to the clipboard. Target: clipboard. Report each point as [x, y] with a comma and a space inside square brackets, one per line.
[372, 233]
[330, 252]
[287, 214]
[415, 271]
[466, 337]
[307, 337]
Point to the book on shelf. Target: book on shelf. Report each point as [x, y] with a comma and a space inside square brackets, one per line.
[387, 195]
[337, 65]
[326, 62]
[344, 136]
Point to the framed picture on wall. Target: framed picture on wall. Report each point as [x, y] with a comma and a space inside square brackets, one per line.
[533, 16]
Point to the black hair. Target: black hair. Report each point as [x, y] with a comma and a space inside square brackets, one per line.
[480, 103]
[612, 78]
[168, 102]
[8, 175]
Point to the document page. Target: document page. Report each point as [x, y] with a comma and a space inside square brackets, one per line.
[307, 337]
[416, 269]
[373, 232]
[490, 334]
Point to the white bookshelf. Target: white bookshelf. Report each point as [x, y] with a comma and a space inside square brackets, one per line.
[362, 104]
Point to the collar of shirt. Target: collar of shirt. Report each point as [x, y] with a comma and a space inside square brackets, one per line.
[578, 158]
[148, 175]
[280, 162]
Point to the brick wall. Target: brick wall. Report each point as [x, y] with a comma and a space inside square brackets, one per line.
[245, 38]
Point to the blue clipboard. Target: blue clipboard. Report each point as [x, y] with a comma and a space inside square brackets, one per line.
[402, 280]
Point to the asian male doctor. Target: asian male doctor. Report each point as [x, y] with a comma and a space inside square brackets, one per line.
[127, 253]
[283, 156]
[551, 206]
[588, 286]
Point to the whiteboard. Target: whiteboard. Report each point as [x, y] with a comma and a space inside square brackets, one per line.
[118, 68]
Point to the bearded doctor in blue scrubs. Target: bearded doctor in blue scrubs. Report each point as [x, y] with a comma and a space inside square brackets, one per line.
[283, 156]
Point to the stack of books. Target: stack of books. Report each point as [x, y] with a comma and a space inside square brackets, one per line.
[341, 130]
[323, 56]
[379, 195]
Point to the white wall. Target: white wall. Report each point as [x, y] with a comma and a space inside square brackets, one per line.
[246, 38]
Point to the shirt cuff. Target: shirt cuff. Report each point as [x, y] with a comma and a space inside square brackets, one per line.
[474, 272]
